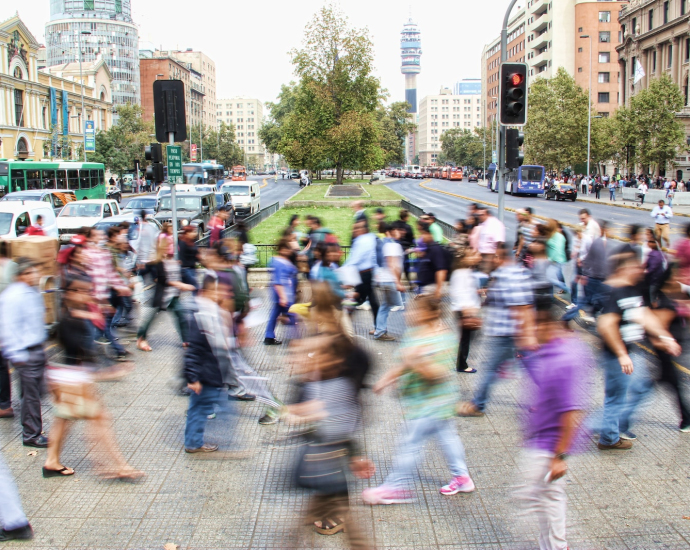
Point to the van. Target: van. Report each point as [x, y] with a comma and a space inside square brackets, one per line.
[17, 216]
[164, 189]
[246, 196]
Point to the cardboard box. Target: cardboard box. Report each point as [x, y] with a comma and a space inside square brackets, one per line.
[42, 250]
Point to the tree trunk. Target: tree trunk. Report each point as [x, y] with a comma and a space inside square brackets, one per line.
[339, 174]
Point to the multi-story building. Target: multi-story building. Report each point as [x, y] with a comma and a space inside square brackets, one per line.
[163, 68]
[40, 111]
[246, 115]
[204, 66]
[596, 25]
[439, 113]
[549, 37]
[654, 36]
[107, 32]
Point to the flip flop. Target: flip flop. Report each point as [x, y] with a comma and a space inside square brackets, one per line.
[470, 371]
[330, 526]
[49, 472]
[145, 347]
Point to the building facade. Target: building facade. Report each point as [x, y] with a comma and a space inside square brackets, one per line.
[40, 111]
[204, 87]
[163, 68]
[549, 37]
[439, 113]
[107, 32]
[656, 35]
[246, 115]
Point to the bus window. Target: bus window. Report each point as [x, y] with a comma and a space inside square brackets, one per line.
[18, 180]
[84, 180]
[101, 176]
[95, 178]
[48, 178]
[73, 180]
[61, 179]
[33, 179]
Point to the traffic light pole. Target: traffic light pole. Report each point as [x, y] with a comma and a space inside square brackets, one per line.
[173, 199]
[501, 128]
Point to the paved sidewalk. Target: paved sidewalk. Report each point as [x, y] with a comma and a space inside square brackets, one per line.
[635, 499]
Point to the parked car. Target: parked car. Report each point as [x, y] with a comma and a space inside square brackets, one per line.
[113, 192]
[56, 197]
[473, 177]
[193, 208]
[86, 213]
[137, 204]
[133, 235]
[561, 191]
[16, 217]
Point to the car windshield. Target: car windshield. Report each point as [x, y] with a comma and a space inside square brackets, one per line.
[21, 197]
[81, 210]
[138, 204]
[183, 203]
[5, 222]
[236, 189]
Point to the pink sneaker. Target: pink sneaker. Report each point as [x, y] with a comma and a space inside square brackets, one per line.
[460, 484]
[385, 495]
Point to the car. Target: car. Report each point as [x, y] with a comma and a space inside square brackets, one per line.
[56, 197]
[294, 175]
[561, 191]
[137, 204]
[133, 235]
[473, 177]
[85, 213]
[113, 192]
[16, 217]
[224, 199]
[193, 208]
[246, 197]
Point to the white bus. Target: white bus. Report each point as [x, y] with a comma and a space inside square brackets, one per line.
[414, 170]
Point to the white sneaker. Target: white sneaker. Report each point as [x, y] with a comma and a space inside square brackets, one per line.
[571, 306]
[365, 306]
[398, 308]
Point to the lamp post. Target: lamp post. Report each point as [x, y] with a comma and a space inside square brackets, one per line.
[81, 78]
[589, 105]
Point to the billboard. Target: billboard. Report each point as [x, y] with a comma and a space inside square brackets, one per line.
[192, 152]
[89, 136]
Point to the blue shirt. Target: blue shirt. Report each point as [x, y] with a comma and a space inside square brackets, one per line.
[284, 274]
[22, 321]
[363, 252]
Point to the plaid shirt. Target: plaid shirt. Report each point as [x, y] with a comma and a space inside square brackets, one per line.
[511, 286]
[102, 272]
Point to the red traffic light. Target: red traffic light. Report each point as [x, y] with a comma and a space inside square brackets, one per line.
[516, 79]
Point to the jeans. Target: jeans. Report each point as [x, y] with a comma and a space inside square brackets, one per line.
[365, 290]
[388, 297]
[5, 384]
[188, 276]
[554, 273]
[612, 194]
[180, 316]
[546, 501]
[419, 431]
[595, 292]
[276, 312]
[501, 349]
[11, 514]
[622, 395]
[200, 406]
[124, 307]
[31, 376]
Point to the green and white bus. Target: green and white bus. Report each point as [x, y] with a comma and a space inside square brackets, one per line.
[86, 179]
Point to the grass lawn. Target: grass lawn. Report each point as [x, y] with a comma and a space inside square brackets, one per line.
[346, 181]
[317, 192]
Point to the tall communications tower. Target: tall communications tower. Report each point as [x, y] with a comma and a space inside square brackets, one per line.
[410, 54]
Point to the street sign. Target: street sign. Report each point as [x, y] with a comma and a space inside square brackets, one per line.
[174, 163]
[192, 152]
[90, 136]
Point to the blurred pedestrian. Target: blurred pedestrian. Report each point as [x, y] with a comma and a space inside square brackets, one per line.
[8, 273]
[465, 302]
[557, 254]
[592, 228]
[146, 251]
[387, 280]
[22, 335]
[36, 228]
[406, 240]
[492, 234]
[662, 215]
[432, 265]
[14, 524]
[363, 256]
[189, 256]
[283, 285]
[435, 228]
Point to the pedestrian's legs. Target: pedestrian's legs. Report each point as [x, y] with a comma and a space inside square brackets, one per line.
[31, 380]
[463, 348]
[408, 453]
[500, 349]
[612, 195]
[368, 292]
[146, 325]
[188, 276]
[5, 385]
[669, 375]
[11, 513]
[639, 387]
[180, 316]
[273, 319]
[546, 500]
[665, 234]
[451, 445]
[200, 406]
[119, 349]
[554, 274]
[615, 392]
[389, 297]
[642, 199]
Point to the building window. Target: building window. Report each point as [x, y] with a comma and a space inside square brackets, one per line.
[604, 78]
[651, 20]
[579, 29]
[19, 107]
[682, 7]
[603, 97]
[634, 26]
[579, 50]
[687, 49]
[665, 12]
[579, 69]
[88, 5]
[604, 17]
[670, 55]
[118, 6]
[604, 36]
[654, 61]
[604, 57]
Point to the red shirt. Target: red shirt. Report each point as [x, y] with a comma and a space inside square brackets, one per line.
[35, 230]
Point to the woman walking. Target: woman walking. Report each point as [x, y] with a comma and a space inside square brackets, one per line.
[465, 302]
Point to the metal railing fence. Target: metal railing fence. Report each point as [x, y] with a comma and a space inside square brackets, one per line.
[250, 223]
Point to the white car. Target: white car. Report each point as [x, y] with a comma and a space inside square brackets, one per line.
[85, 213]
[17, 216]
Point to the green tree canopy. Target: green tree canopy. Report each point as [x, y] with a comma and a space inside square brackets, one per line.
[221, 146]
[466, 147]
[395, 124]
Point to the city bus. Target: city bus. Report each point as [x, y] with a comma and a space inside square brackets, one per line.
[239, 173]
[86, 179]
[203, 173]
[413, 170]
[455, 174]
[444, 172]
[526, 180]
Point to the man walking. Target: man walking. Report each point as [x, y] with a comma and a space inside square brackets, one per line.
[662, 215]
[432, 265]
[283, 285]
[492, 234]
[22, 334]
[388, 285]
[363, 257]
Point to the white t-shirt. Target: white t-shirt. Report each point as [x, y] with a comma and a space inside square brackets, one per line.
[383, 274]
[463, 290]
[593, 229]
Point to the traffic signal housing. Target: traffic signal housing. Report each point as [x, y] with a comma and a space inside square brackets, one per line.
[514, 140]
[513, 94]
[154, 171]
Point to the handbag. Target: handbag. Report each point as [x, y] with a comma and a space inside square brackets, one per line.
[322, 466]
[470, 321]
[74, 392]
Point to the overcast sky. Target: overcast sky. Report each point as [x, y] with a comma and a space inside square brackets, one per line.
[249, 40]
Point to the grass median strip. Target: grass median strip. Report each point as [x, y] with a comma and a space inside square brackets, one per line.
[317, 192]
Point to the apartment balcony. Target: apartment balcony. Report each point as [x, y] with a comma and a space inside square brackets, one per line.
[540, 25]
[540, 41]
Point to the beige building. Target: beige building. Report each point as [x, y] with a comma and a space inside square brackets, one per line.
[35, 103]
[206, 67]
[439, 113]
[550, 37]
[246, 115]
[655, 35]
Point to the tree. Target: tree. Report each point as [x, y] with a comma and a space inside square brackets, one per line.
[464, 147]
[221, 146]
[556, 129]
[395, 125]
[271, 132]
[650, 126]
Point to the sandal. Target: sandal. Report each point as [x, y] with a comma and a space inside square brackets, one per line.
[468, 370]
[467, 409]
[143, 346]
[125, 475]
[62, 472]
[329, 526]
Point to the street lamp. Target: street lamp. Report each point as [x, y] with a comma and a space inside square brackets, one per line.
[83, 111]
[589, 105]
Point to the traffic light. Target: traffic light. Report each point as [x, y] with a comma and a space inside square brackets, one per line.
[169, 110]
[513, 94]
[154, 171]
[514, 140]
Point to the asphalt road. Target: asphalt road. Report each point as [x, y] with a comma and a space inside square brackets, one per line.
[424, 193]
